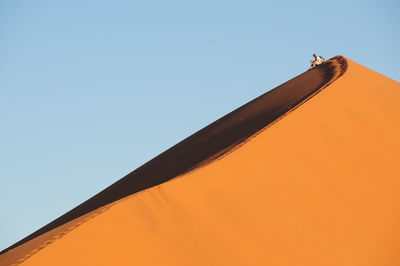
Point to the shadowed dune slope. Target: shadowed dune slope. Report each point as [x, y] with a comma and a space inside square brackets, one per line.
[210, 142]
[317, 187]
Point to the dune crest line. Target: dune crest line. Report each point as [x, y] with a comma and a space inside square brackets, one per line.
[210, 142]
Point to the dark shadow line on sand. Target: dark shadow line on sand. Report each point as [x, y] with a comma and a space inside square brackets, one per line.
[211, 142]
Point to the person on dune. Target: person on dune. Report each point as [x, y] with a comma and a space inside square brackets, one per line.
[317, 61]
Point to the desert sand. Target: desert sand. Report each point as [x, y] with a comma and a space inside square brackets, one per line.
[306, 174]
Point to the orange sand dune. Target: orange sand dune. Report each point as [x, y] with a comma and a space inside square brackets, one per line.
[318, 187]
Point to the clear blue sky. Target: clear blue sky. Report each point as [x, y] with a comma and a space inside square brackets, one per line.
[90, 90]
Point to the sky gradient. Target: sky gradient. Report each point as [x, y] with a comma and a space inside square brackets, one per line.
[90, 91]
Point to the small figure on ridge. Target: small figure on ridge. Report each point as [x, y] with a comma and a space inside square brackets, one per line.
[317, 61]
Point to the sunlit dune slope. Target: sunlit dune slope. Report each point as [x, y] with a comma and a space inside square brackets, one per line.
[319, 186]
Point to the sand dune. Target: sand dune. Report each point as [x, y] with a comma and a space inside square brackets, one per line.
[306, 174]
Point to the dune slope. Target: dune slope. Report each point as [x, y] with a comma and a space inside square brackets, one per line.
[317, 186]
[212, 141]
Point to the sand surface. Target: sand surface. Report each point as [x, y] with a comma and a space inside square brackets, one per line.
[317, 187]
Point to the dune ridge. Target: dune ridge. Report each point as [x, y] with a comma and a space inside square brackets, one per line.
[211, 142]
